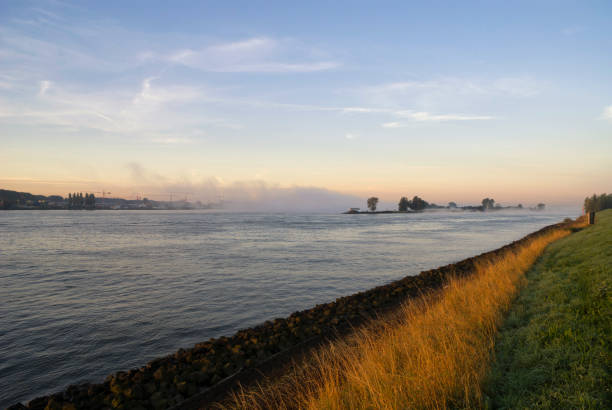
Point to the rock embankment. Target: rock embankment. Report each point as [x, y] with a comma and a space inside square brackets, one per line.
[168, 381]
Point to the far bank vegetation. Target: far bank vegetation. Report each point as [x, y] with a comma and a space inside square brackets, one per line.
[417, 204]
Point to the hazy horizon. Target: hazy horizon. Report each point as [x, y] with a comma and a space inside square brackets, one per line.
[262, 197]
[297, 105]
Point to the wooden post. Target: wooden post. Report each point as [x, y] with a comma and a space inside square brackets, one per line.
[591, 218]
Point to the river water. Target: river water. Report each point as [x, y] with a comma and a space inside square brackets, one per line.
[84, 294]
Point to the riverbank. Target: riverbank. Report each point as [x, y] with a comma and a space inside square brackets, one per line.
[433, 352]
[170, 380]
[553, 350]
[445, 350]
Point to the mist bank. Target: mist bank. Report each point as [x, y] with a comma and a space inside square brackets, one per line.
[259, 196]
[250, 197]
[266, 198]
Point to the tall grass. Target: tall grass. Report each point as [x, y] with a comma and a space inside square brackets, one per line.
[432, 353]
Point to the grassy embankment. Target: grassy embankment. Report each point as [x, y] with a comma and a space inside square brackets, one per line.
[435, 352]
[553, 350]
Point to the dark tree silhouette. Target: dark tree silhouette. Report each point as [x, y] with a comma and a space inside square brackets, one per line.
[488, 203]
[403, 204]
[90, 201]
[80, 201]
[372, 202]
[417, 204]
[597, 203]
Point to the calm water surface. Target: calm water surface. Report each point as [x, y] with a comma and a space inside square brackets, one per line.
[84, 294]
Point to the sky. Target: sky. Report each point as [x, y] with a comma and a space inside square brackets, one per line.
[302, 103]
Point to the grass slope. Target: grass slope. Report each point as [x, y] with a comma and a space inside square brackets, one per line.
[553, 350]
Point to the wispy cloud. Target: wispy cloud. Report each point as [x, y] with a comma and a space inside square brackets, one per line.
[426, 116]
[363, 110]
[461, 85]
[447, 93]
[44, 86]
[607, 113]
[39, 58]
[255, 45]
[518, 86]
[422, 116]
[37, 54]
[392, 124]
[573, 30]
[257, 54]
[153, 112]
[165, 94]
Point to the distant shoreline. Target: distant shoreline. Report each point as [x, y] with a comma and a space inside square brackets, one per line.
[380, 212]
[458, 209]
[109, 209]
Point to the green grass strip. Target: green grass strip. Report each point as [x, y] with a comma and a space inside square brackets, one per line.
[553, 349]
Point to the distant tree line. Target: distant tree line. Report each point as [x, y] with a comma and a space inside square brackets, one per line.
[80, 201]
[597, 203]
[488, 203]
[419, 204]
[416, 204]
[14, 199]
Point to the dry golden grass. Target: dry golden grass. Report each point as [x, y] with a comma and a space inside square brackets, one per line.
[433, 353]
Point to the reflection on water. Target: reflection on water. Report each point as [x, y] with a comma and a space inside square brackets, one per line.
[85, 294]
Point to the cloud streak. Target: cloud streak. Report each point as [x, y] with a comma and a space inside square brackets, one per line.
[429, 117]
[511, 86]
[257, 54]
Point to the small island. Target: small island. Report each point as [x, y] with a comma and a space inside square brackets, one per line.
[417, 204]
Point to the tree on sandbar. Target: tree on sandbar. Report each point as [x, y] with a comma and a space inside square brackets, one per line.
[488, 203]
[372, 202]
[417, 204]
[403, 204]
